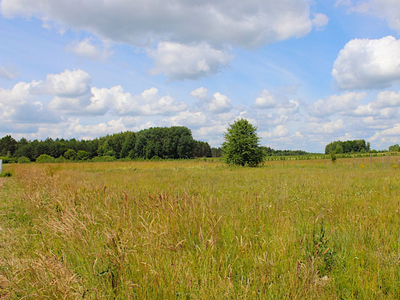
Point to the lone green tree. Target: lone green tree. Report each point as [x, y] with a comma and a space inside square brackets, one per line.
[241, 145]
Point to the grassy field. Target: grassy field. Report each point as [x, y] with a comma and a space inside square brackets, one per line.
[201, 230]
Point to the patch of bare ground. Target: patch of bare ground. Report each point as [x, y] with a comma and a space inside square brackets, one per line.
[2, 180]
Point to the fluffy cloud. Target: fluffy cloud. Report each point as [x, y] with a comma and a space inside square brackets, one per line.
[362, 110]
[18, 95]
[365, 64]
[385, 9]
[320, 21]
[212, 130]
[178, 61]
[187, 118]
[278, 132]
[327, 127]
[274, 109]
[217, 104]
[66, 84]
[387, 99]
[18, 105]
[394, 131]
[385, 106]
[147, 103]
[267, 100]
[115, 99]
[220, 103]
[88, 49]
[190, 34]
[390, 113]
[336, 103]
[387, 136]
[8, 74]
[248, 24]
[75, 128]
[24, 102]
[71, 93]
[100, 129]
[201, 93]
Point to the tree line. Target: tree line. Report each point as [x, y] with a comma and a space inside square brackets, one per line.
[272, 152]
[153, 143]
[354, 146]
[161, 143]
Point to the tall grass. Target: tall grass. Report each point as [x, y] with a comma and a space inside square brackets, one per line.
[201, 230]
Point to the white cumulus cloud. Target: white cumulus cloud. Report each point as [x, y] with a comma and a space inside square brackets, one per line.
[71, 93]
[363, 111]
[87, 49]
[20, 106]
[394, 131]
[244, 23]
[266, 100]
[66, 84]
[366, 64]
[188, 118]
[327, 127]
[217, 103]
[100, 129]
[71, 90]
[220, 103]
[213, 130]
[179, 61]
[278, 132]
[201, 93]
[388, 99]
[388, 10]
[320, 21]
[192, 36]
[149, 102]
[387, 136]
[336, 104]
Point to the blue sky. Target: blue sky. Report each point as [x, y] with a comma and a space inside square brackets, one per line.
[304, 72]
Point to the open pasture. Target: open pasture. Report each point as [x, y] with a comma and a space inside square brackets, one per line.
[201, 230]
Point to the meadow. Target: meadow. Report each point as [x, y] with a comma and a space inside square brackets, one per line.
[195, 229]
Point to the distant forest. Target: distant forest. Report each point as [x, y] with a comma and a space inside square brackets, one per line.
[271, 152]
[148, 144]
[355, 146]
[153, 143]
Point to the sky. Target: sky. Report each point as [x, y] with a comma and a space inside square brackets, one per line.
[305, 72]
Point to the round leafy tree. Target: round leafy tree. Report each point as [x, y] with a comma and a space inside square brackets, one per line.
[241, 144]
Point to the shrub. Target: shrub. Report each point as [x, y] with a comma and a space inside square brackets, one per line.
[44, 158]
[70, 154]
[83, 155]
[60, 159]
[23, 160]
[8, 160]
